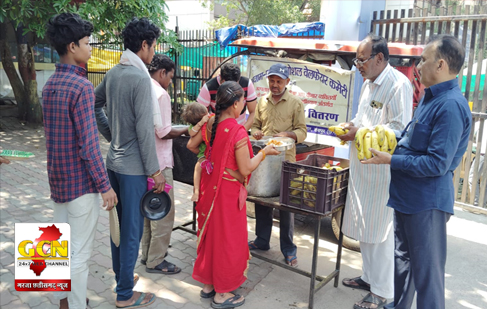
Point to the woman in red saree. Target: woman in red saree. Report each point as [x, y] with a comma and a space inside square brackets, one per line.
[222, 251]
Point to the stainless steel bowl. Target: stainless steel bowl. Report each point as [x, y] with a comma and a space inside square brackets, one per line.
[261, 142]
[286, 143]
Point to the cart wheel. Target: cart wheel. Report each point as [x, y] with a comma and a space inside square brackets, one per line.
[348, 242]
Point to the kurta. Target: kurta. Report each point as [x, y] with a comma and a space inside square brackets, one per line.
[367, 217]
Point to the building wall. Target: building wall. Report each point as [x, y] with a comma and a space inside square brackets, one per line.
[191, 15]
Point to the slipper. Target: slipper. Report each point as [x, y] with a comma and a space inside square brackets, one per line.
[171, 268]
[207, 295]
[136, 279]
[290, 259]
[372, 299]
[139, 304]
[229, 303]
[253, 246]
[361, 284]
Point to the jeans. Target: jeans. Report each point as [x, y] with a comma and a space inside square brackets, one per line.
[129, 190]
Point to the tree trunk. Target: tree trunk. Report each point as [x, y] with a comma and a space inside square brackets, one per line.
[28, 75]
[13, 76]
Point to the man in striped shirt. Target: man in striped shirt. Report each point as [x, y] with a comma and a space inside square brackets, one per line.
[386, 98]
[230, 72]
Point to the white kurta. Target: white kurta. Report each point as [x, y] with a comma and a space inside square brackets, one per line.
[367, 217]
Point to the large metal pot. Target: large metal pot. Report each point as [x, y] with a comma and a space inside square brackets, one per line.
[266, 179]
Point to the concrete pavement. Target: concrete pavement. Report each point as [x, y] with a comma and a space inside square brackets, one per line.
[24, 197]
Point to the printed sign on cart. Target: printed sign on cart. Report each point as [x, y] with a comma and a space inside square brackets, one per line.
[325, 91]
[42, 257]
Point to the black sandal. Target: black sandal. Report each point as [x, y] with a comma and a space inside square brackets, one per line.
[371, 299]
[229, 303]
[171, 268]
[361, 284]
[207, 295]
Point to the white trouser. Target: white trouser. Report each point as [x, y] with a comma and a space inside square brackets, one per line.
[82, 216]
[477, 185]
[378, 266]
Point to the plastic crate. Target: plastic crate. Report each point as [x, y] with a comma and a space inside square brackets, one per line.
[305, 185]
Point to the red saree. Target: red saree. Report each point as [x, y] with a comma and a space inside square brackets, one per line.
[222, 250]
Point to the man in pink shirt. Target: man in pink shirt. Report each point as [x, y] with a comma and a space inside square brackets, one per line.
[157, 234]
[230, 72]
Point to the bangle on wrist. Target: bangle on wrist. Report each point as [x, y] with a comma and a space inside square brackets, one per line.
[263, 154]
[195, 131]
[159, 172]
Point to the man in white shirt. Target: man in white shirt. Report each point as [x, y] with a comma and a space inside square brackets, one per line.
[386, 98]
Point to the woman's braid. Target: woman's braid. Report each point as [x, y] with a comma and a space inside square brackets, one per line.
[218, 111]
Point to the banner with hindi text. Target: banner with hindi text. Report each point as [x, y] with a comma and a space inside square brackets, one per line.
[325, 91]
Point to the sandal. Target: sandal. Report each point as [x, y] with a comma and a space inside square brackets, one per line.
[253, 246]
[207, 295]
[138, 303]
[360, 284]
[229, 303]
[291, 260]
[371, 299]
[171, 268]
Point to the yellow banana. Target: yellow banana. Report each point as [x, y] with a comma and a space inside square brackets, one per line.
[359, 138]
[375, 141]
[367, 145]
[360, 155]
[391, 140]
[385, 146]
[338, 130]
[380, 134]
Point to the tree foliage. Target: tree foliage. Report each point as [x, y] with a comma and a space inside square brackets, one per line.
[269, 12]
[108, 16]
[28, 19]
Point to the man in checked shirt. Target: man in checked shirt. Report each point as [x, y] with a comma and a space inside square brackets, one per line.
[75, 165]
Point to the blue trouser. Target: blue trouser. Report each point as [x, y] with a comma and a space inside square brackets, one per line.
[420, 258]
[129, 190]
[263, 229]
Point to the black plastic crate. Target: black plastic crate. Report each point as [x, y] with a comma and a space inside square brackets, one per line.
[307, 186]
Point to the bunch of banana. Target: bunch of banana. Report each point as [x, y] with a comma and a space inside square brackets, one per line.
[381, 139]
[306, 184]
[335, 168]
[338, 130]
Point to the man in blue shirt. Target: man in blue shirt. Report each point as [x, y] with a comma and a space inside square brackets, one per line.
[421, 190]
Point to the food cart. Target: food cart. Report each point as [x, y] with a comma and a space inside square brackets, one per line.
[321, 75]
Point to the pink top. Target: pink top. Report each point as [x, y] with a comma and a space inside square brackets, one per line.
[164, 146]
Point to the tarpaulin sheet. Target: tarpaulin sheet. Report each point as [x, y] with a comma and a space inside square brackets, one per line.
[226, 35]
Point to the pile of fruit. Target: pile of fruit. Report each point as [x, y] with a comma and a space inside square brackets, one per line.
[381, 139]
[308, 183]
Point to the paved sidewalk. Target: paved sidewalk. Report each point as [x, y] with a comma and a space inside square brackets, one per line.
[24, 197]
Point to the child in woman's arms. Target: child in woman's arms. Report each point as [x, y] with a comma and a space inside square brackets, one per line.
[197, 116]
